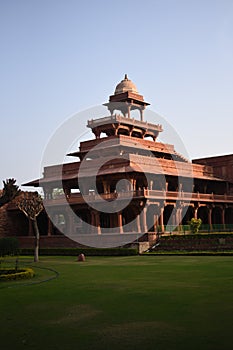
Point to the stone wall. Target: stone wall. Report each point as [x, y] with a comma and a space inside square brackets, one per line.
[6, 225]
[210, 243]
[48, 242]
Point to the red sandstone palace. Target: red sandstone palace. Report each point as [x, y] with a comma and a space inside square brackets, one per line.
[162, 189]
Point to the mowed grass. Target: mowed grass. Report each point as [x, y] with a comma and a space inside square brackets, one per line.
[140, 302]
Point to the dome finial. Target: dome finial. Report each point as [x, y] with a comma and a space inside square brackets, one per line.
[125, 85]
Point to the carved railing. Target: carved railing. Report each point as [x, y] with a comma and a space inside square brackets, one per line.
[78, 198]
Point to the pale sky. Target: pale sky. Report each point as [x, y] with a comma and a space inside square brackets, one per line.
[61, 57]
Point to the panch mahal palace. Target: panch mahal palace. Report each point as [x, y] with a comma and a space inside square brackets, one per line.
[156, 188]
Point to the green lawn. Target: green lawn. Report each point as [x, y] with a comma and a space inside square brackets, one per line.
[139, 302]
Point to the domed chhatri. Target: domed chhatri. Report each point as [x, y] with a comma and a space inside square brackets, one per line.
[126, 98]
[125, 85]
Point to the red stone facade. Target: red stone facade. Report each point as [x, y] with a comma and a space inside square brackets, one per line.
[164, 188]
[222, 165]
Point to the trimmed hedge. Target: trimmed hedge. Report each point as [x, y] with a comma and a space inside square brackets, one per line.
[190, 253]
[12, 274]
[197, 236]
[85, 251]
[9, 246]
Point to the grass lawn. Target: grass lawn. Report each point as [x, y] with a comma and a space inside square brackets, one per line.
[139, 302]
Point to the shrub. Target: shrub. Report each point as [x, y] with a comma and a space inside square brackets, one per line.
[9, 246]
[195, 225]
[12, 274]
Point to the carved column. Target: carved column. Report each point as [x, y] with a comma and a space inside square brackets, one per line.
[70, 223]
[138, 224]
[161, 222]
[128, 109]
[97, 222]
[178, 217]
[48, 193]
[156, 218]
[105, 186]
[119, 218]
[50, 227]
[145, 228]
[133, 184]
[223, 216]
[67, 192]
[195, 212]
[151, 184]
[210, 217]
[141, 112]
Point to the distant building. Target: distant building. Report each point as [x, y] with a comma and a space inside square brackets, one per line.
[164, 188]
[222, 166]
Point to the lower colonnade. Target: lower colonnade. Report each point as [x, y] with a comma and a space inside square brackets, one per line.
[151, 218]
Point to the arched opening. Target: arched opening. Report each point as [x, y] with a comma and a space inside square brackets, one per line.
[123, 131]
[167, 215]
[152, 218]
[187, 214]
[202, 214]
[172, 184]
[217, 215]
[229, 216]
[104, 220]
[129, 218]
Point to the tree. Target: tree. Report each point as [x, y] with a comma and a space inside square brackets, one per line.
[31, 205]
[9, 192]
[195, 225]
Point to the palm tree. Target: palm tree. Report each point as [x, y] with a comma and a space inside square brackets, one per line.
[9, 192]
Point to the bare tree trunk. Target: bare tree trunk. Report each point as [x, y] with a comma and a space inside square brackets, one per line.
[37, 240]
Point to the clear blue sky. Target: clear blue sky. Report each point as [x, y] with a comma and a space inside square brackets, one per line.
[60, 57]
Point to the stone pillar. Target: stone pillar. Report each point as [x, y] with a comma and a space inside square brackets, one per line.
[96, 133]
[141, 112]
[128, 110]
[145, 228]
[133, 184]
[210, 217]
[223, 217]
[156, 218]
[138, 224]
[195, 212]
[93, 218]
[50, 227]
[105, 186]
[48, 193]
[70, 223]
[119, 218]
[67, 192]
[161, 222]
[151, 184]
[97, 222]
[178, 217]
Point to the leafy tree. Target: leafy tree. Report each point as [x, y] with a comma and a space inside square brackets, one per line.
[31, 205]
[195, 225]
[10, 191]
